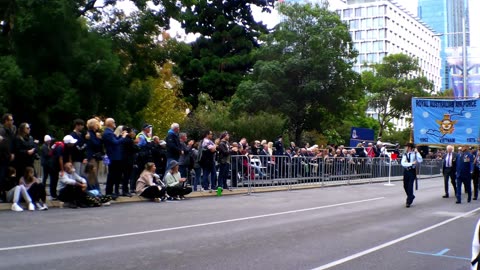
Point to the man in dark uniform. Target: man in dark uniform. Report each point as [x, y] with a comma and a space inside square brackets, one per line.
[410, 160]
[464, 174]
[278, 152]
[449, 170]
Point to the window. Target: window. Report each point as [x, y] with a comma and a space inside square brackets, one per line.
[363, 23]
[371, 57]
[371, 34]
[353, 24]
[379, 22]
[382, 33]
[347, 13]
[359, 35]
[359, 12]
[369, 23]
[370, 11]
[378, 45]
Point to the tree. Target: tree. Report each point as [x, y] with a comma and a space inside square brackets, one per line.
[217, 116]
[220, 57]
[390, 87]
[304, 71]
[165, 105]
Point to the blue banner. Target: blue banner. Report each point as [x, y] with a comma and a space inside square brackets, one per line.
[358, 135]
[446, 121]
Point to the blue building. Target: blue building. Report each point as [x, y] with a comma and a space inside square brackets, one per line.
[446, 18]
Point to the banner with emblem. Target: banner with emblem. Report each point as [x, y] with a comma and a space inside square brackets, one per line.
[446, 121]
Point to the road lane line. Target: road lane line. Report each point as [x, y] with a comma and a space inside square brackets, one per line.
[393, 242]
[185, 227]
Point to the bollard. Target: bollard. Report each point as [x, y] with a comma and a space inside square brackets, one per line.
[219, 191]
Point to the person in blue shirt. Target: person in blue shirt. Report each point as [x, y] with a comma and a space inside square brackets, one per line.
[464, 173]
[410, 161]
[113, 145]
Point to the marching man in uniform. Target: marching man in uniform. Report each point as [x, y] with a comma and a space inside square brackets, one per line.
[410, 160]
[464, 174]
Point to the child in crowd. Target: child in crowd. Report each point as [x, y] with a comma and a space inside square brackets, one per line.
[35, 189]
[94, 195]
[15, 190]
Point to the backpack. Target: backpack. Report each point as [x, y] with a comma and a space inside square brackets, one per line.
[55, 145]
[200, 152]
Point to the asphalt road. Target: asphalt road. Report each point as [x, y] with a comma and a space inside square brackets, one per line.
[348, 227]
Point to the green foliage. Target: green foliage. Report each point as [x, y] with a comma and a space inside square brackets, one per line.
[304, 71]
[390, 88]
[165, 105]
[401, 137]
[216, 116]
[220, 57]
[61, 60]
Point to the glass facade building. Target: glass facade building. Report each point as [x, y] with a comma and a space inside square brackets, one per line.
[446, 18]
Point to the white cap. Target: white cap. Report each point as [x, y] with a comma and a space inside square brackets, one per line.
[47, 138]
[69, 139]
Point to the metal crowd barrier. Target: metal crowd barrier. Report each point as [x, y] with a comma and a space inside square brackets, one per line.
[257, 171]
[254, 171]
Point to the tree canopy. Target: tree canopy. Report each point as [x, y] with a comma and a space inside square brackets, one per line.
[304, 70]
[221, 55]
[390, 86]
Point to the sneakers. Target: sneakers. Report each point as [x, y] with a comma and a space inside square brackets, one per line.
[40, 206]
[106, 204]
[31, 207]
[16, 208]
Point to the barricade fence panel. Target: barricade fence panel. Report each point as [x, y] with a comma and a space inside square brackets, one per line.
[257, 171]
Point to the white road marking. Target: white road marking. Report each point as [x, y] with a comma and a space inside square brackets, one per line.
[393, 242]
[184, 227]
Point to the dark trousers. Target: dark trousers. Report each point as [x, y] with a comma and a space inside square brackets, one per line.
[37, 192]
[466, 180]
[54, 182]
[408, 181]
[209, 170]
[153, 192]
[178, 191]
[475, 175]
[196, 180]
[72, 194]
[3, 174]
[223, 175]
[114, 176]
[127, 171]
[449, 173]
[47, 171]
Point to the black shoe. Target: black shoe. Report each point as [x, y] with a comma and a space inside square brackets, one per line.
[407, 205]
[458, 202]
[72, 205]
[126, 194]
[469, 200]
[445, 196]
[474, 198]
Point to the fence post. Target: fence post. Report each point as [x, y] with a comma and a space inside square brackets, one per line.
[390, 174]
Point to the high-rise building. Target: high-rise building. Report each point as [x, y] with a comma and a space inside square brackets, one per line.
[382, 27]
[447, 18]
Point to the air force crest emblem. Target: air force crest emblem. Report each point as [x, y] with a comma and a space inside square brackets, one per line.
[447, 125]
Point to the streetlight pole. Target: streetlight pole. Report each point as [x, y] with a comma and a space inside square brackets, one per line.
[464, 58]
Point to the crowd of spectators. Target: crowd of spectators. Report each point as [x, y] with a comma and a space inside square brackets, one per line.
[145, 165]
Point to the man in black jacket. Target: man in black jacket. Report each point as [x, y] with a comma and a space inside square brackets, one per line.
[174, 148]
[449, 169]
